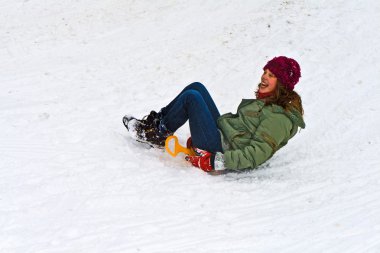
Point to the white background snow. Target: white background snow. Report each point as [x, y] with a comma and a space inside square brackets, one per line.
[72, 180]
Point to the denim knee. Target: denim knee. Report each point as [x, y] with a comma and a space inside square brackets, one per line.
[192, 95]
[197, 86]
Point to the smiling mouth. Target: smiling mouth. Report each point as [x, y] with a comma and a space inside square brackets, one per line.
[263, 85]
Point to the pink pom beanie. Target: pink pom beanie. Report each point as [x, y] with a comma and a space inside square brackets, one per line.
[287, 70]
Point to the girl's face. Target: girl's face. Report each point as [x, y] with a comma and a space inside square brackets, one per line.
[268, 82]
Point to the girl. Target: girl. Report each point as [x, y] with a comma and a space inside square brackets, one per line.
[227, 142]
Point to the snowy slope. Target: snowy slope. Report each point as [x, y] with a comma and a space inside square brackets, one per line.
[71, 179]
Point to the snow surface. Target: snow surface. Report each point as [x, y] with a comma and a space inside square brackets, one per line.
[71, 179]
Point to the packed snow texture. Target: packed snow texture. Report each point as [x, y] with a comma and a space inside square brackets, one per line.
[72, 179]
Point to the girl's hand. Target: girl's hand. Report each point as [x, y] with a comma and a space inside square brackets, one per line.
[202, 160]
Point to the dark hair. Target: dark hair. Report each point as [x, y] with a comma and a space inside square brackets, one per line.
[287, 99]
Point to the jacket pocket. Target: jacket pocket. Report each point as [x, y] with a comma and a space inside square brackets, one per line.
[252, 114]
[238, 134]
[241, 139]
[270, 140]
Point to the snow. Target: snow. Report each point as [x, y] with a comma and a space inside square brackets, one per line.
[72, 180]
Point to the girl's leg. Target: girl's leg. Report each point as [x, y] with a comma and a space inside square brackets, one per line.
[197, 107]
[204, 94]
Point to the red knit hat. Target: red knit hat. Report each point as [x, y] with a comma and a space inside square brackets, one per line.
[287, 70]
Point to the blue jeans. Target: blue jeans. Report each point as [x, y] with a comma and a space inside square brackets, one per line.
[195, 104]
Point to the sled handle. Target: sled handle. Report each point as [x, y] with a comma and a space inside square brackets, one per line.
[177, 147]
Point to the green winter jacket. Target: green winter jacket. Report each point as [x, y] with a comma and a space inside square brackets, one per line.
[252, 135]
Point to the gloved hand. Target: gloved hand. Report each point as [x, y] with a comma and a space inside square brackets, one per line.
[189, 144]
[202, 159]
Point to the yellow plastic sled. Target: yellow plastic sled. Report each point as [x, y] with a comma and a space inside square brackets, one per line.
[176, 146]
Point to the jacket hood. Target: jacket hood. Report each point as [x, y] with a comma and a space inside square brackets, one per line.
[294, 115]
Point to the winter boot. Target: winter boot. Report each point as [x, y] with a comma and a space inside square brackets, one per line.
[148, 130]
